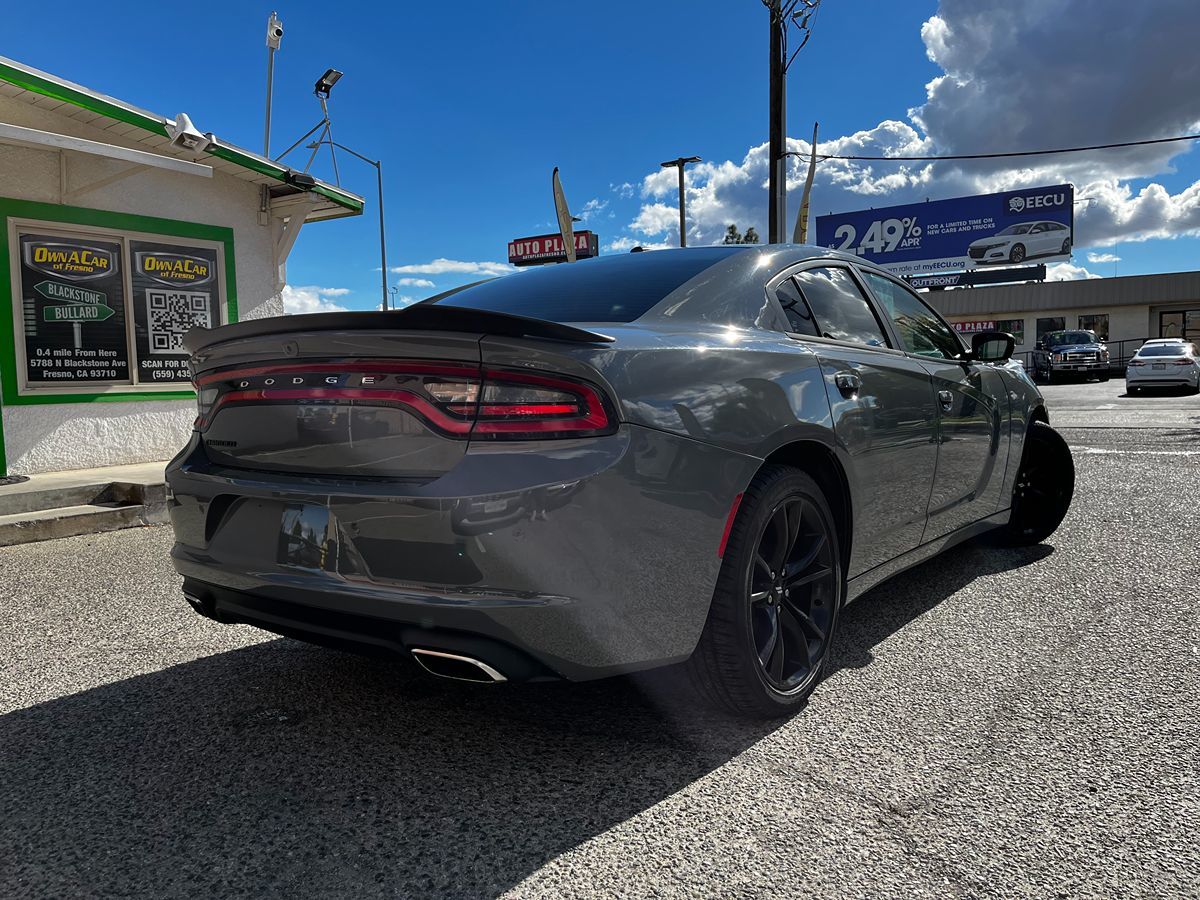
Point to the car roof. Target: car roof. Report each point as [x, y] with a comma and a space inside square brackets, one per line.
[1165, 341]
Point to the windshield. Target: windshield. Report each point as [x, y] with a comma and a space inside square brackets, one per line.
[1062, 338]
[1014, 229]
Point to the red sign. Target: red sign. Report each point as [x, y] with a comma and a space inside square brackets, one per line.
[548, 248]
[969, 327]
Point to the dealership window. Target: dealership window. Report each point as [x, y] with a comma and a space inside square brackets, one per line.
[1053, 323]
[1097, 323]
[102, 311]
[1015, 327]
[1183, 323]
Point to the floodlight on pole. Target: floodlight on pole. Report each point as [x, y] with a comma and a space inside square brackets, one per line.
[326, 82]
[679, 164]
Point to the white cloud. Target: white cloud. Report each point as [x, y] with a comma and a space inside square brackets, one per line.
[592, 207]
[311, 299]
[625, 244]
[625, 190]
[443, 266]
[414, 282]
[1010, 81]
[1067, 272]
[1103, 258]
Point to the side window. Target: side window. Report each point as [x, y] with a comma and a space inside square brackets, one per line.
[920, 331]
[841, 310]
[799, 316]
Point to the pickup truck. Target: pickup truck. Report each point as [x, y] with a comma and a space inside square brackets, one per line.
[1076, 352]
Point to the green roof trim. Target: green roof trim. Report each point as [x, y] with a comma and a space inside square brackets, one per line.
[86, 99]
[89, 101]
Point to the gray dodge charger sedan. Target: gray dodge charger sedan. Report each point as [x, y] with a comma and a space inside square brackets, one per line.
[691, 457]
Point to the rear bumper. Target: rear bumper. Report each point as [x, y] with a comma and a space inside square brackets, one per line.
[1165, 378]
[579, 559]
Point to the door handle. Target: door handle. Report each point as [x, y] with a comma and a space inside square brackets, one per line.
[946, 399]
[848, 383]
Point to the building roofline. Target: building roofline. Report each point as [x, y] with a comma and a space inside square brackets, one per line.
[44, 84]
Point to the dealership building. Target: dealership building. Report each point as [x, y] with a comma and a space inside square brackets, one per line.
[120, 229]
[1123, 311]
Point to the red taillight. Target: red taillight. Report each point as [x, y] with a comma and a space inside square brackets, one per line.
[1136, 362]
[460, 401]
[1183, 362]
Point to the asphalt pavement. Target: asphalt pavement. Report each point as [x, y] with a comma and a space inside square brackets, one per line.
[997, 723]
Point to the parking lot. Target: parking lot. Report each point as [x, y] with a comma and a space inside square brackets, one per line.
[997, 723]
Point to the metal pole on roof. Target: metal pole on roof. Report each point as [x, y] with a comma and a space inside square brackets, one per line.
[679, 164]
[383, 274]
[274, 38]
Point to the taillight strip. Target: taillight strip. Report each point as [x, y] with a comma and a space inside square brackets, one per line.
[355, 367]
[406, 399]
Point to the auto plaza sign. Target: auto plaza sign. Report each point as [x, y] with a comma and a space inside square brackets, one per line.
[1002, 229]
[549, 248]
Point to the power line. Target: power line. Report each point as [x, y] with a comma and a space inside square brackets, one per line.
[1167, 140]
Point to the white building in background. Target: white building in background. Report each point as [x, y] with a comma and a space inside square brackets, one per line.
[119, 230]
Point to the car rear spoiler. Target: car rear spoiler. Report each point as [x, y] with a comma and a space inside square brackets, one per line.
[419, 317]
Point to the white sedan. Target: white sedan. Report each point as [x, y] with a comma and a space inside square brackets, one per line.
[1016, 243]
[1164, 363]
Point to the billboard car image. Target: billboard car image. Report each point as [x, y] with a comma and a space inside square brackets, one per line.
[1022, 241]
[1007, 227]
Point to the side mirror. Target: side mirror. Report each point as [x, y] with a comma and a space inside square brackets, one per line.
[992, 346]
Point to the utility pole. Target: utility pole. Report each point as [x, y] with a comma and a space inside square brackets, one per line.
[777, 178]
[274, 37]
[679, 164]
[783, 14]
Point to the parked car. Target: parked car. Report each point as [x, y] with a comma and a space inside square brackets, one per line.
[1070, 353]
[1164, 363]
[1016, 243]
[692, 457]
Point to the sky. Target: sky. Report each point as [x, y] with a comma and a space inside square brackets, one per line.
[470, 105]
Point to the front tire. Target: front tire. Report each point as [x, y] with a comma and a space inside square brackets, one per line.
[775, 608]
[1043, 490]
[1017, 253]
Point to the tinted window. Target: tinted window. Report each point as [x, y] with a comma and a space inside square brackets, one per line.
[1163, 350]
[1053, 323]
[611, 289]
[841, 310]
[919, 330]
[1064, 338]
[1096, 323]
[800, 318]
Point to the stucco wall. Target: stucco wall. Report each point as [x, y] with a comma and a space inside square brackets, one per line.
[49, 437]
[1124, 322]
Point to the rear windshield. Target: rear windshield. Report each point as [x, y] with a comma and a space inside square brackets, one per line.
[609, 289]
[1163, 350]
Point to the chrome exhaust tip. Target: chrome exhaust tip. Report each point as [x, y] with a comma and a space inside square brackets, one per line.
[456, 667]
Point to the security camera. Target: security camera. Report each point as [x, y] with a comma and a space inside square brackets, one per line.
[186, 135]
[274, 31]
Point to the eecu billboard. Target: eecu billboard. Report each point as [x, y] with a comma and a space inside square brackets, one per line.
[1002, 229]
[549, 248]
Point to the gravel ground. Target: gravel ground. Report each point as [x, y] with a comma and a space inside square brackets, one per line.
[998, 723]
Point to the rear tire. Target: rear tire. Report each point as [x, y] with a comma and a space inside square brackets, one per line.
[1043, 489]
[774, 612]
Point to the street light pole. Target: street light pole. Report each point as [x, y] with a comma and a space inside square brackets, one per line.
[383, 276]
[679, 164]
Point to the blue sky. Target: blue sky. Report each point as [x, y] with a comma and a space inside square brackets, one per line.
[470, 105]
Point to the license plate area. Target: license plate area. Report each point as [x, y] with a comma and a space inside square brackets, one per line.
[1158, 367]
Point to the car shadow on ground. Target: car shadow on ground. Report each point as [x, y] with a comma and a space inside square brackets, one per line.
[284, 769]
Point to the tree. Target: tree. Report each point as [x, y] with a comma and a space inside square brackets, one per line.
[733, 236]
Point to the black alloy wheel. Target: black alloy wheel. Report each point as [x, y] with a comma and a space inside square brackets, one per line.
[791, 590]
[1017, 253]
[1043, 489]
[1066, 247]
[775, 609]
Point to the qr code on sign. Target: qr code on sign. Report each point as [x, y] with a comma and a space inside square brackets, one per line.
[172, 314]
